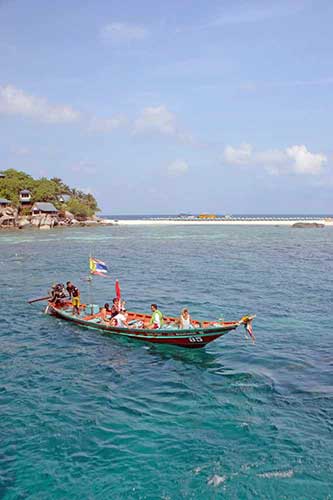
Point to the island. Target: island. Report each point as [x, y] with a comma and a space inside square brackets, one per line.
[42, 203]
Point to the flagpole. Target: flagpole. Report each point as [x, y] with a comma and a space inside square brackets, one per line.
[90, 294]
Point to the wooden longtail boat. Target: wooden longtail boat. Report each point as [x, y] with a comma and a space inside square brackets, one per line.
[199, 335]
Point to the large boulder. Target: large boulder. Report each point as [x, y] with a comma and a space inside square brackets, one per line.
[69, 215]
[44, 220]
[8, 216]
[308, 224]
[23, 221]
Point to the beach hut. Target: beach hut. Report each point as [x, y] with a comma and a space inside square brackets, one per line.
[4, 203]
[25, 196]
[43, 208]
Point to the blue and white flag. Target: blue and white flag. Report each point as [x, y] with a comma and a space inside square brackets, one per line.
[97, 267]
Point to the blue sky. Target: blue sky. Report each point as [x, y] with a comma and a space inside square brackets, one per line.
[178, 106]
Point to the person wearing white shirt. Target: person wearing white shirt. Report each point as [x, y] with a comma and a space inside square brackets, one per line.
[121, 320]
[185, 319]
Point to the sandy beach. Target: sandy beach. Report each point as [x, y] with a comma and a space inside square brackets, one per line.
[225, 222]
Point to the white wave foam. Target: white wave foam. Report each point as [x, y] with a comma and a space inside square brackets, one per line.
[287, 473]
[216, 480]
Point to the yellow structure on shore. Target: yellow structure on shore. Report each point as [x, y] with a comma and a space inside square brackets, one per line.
[207, 216]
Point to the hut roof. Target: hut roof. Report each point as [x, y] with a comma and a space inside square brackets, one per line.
[4, 200]
[44, 207]
[25, 191]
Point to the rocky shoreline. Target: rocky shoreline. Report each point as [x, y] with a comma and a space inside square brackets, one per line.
[11, 220]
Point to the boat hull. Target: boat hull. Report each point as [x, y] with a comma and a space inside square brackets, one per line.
[193, 338]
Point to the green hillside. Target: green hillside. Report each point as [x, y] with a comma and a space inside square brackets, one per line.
[43, 189]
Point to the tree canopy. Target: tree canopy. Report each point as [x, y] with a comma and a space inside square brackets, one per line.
[43, 189]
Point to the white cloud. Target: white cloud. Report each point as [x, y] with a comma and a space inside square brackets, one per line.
[152, 119]
[14, 101]
[159, 119]
[306, 162]
[177, 168]
[123, 32]
[156, 119]
[240, 156]
[294, 159]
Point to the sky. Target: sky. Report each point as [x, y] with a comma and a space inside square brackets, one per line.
[172, 107]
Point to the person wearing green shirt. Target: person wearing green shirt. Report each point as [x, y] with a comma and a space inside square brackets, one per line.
[156, 320]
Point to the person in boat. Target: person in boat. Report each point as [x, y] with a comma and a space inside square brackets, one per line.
[120, 320]
[156, 320]
[115, 309]
[58, 294]
[185, 319]
[70, 287]
[76, 300]
[108, 309]
[103, 314]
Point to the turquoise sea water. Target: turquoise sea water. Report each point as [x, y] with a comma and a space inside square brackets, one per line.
[89, 416]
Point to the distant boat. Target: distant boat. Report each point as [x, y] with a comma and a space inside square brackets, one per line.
[185, 216]
[198, 336]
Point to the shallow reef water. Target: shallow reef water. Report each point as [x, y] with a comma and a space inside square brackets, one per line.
[87, 415]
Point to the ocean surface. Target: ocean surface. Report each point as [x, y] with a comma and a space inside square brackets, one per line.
[90, 416]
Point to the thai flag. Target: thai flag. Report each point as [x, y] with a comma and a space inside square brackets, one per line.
[97, 267]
